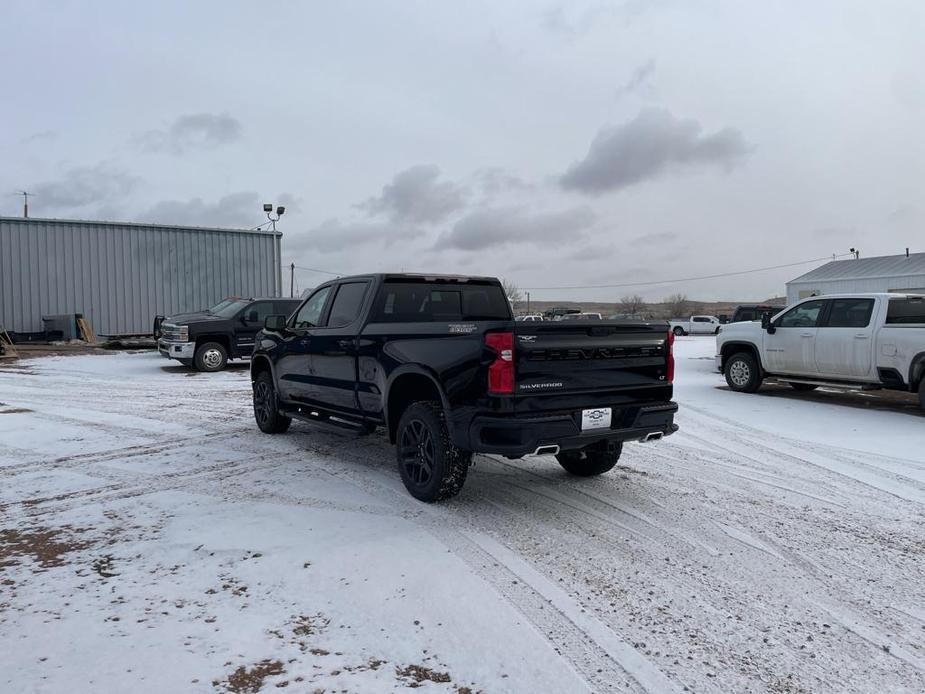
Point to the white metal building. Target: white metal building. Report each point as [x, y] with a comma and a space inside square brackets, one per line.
[888, 273]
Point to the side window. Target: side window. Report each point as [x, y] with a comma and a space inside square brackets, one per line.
[258, 312]
[310, 314]
[805, 315]
[747, 315]
[347, 304]
[850, 313]
[285, 308]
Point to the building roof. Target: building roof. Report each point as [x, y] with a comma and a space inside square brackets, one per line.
[146, 225]
[866, 268]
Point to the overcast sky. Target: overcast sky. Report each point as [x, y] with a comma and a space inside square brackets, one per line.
[553, 144]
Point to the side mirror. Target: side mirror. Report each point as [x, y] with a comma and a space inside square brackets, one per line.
[275, 323]
[766, 323]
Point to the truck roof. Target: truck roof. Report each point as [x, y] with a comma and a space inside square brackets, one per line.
[863, 295]
[418, 276]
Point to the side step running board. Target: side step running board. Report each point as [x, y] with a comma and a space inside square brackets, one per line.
[331, 422]
[842, 385]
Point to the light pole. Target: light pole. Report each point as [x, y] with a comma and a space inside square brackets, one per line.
[268, 208]
[528, 303]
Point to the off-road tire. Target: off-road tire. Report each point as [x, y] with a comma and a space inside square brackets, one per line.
[266, 406]
[678, 331]
[430, 466]
[591, 460]
[210, 356]
[803, 387]
[742, 373]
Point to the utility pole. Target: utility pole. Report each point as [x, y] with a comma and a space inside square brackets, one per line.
[528, 303]
[25, 203]
[292, 280]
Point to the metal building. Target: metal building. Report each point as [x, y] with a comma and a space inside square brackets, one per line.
[888, 273]
[120, 275]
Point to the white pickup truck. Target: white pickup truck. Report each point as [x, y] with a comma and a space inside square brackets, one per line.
[696, 325]
[857, 341]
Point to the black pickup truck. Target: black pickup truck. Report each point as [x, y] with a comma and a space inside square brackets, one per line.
[207, 339]
[440, 363]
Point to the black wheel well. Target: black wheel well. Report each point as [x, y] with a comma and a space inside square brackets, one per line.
[404, 391]
[731, 348]
[917, 372]
[220, 339]
[260, 365]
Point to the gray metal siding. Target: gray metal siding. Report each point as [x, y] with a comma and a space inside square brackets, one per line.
[912, 283]
[120, 276]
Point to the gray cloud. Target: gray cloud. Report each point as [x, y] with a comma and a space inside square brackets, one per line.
[500, 226]
[639, 81]
[39, 136]
[655, 140]
[654, 238]
[593, 252]
[494, 181]
[203, 131]
[415, 195]
[332, 235]
[236, 210]
[84, 185]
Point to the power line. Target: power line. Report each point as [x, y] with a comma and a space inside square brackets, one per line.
[323, 272]
[691, 279]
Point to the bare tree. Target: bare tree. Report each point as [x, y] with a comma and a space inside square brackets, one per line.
[677, 305]
[631, 303]
[512, 291]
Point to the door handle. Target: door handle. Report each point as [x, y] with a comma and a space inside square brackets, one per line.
[861, 336]
[345, 344]
[806, 334]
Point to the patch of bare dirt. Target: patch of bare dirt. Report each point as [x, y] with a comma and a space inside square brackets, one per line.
[415, 675]
[244, 680]
[48, 547]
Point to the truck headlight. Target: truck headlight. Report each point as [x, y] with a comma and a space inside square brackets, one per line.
[184, 333]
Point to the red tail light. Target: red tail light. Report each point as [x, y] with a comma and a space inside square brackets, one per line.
[501, 371]
[670, 377]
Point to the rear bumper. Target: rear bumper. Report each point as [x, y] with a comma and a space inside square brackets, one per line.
[518, 436]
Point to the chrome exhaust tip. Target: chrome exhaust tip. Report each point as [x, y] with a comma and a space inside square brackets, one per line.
[653, 436]
[549, 449]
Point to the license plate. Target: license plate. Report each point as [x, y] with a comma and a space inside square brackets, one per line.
[598, 418]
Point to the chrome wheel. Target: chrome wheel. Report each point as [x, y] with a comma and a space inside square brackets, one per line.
[212, 358]
[416, 448]
[740, 373]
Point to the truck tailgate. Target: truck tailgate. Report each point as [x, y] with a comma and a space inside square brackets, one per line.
[559, 358]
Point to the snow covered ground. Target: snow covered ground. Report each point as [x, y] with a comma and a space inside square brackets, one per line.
[152, 540]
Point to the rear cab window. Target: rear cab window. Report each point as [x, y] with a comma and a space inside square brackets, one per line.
[906, 311]
[439, 302]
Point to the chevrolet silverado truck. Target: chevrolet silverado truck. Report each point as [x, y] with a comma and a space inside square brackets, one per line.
[695, 325]
[441, 364]
[207, 339]
[851, 341]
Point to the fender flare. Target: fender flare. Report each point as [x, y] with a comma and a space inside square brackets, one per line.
[259, 358]
[916, 369]
[413, 370]
[751, 346]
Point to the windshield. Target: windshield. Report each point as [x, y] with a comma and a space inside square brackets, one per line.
[230, 308]
[220, 305]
